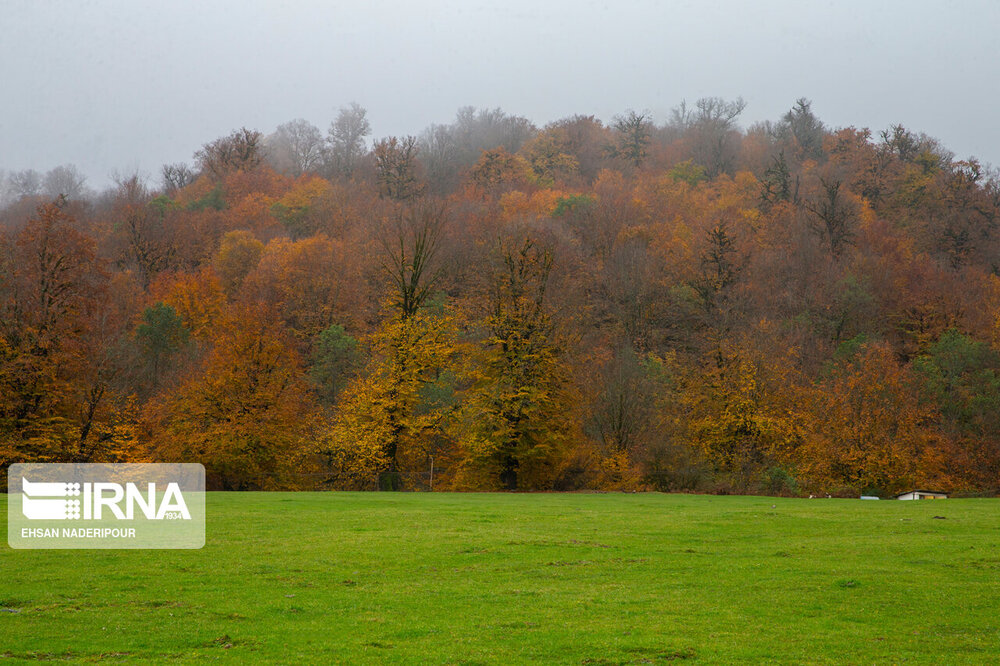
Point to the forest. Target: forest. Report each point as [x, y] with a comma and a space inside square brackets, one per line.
[684, 305]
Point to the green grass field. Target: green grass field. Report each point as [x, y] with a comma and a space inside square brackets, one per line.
[516, 578]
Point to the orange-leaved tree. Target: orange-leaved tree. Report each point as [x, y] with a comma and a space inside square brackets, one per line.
[870, 431]
[54, 392]
[246, 415]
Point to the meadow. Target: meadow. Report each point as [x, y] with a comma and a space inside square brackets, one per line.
[403, 578]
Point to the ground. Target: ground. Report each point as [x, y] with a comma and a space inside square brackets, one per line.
[526, 578]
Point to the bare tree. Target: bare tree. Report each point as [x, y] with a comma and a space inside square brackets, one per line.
[144, 241]
[622, 414]
[681, 117]
[630, 285]
[176, 177]
[410, 256]
[396, 165]
[439, 153]
[451, 148]
[296, 147]
[585, 138]
[476, 131]
[26, 183]
[242, 150]
[65, 180]
[346, 138]
[713, 131]
[835, 214]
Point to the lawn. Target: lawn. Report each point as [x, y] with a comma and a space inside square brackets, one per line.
[519, 578]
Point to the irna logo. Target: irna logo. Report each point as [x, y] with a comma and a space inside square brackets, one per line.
[46, 500]
[106, 505]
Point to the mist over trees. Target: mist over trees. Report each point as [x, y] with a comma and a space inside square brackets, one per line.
[673, 304]
[64, 180]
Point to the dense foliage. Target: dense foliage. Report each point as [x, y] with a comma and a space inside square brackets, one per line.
[786, 308]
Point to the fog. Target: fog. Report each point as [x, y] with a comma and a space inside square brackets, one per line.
[124, 86]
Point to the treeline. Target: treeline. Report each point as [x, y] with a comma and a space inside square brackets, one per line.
[787, 308]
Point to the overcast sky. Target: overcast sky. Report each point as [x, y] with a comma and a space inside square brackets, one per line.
[133, 84]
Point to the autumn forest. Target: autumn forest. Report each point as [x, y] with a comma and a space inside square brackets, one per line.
[687, 304]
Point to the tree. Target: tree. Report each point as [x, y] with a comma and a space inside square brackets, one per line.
[346, 138]
[197, 298]
[385, 416]
[144, 240]
[305, 207]
[161, 335]
[630, 283]
[396, 167]
[634, 130]
[335, 361]
[961, 377]
[688, 172]
[908, 146]
[547, 161]
[711, 126]
[239, 252]
[26, 183]
[51, 288]
[584, 138]
[835, 213]
[870, 164]
[516, 420]
[867, 429]
[736, 419]
[446, 150]
[776, 186]
[719, 267]
[478, 130]
[410, 259]
[296, 147]
[805, 128]
[66, 181]
[246, 416]
[439, 153]
[386, 408]
[497, 171]
[306, 283]
[621, 416]
[242, 150]
[176, 177]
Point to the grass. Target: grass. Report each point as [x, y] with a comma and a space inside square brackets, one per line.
[509, 578]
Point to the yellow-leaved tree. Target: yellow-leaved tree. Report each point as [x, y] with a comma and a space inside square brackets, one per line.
[393, 416]
[739, 413]
[518, 417]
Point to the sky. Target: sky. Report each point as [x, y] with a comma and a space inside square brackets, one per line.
[117, 87]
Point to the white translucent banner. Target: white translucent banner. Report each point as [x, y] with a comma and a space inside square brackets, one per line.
[87, 505]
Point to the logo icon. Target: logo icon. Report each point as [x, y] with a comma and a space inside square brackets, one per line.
[50, 501]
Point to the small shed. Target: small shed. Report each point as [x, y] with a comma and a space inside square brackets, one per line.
[921, 494]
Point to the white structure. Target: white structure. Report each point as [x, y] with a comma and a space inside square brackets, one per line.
[921, 494]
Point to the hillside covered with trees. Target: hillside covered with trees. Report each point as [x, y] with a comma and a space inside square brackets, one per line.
[785, 308]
